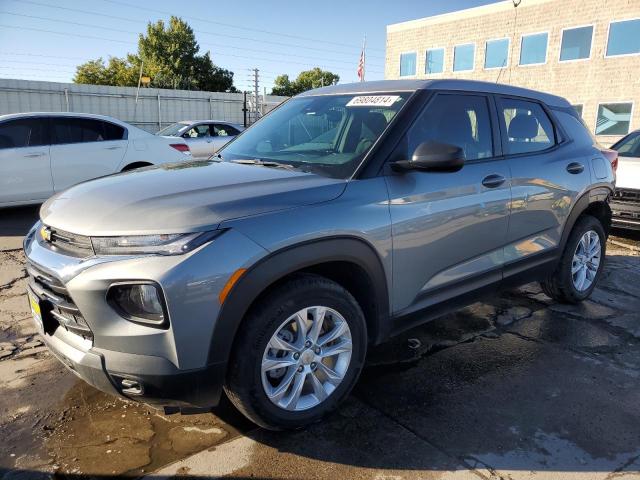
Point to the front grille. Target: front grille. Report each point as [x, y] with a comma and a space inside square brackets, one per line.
[69, 243]
[626, 195]
[58, 309]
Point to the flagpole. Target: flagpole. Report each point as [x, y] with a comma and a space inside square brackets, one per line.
[364, 56]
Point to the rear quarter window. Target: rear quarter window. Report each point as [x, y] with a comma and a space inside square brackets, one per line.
[574, 128]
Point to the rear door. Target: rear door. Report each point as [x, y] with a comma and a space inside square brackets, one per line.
[223, 134]
[200, 141]
[449, 228]
[548, 173]
[84, 148]
[25, 170]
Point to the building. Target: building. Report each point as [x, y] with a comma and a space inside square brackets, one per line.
[587, 51]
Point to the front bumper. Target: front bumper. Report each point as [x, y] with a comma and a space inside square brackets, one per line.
[164, 367]
[625, 208]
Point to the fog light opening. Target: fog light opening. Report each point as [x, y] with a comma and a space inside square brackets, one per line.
[139, 302]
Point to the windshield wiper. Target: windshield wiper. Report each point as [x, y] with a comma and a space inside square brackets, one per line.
[263, 163]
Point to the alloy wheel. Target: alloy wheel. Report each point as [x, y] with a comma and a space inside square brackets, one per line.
[306, 358]
[586, 260]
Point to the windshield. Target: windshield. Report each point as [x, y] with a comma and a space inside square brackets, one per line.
[172, 130]
[328, 135]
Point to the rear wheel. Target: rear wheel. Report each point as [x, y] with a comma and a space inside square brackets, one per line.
[298, 353]
[581, 263]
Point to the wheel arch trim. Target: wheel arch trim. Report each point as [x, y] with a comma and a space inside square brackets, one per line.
[595, 195]
[281, 263]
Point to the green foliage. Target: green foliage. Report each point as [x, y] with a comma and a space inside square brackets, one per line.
[306, 80]
[170, 55]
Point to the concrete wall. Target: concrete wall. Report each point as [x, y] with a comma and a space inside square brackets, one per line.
[156, 107]
[585, 82]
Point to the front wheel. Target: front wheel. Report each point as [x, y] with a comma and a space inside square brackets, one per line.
[298, 353]
[581, 263]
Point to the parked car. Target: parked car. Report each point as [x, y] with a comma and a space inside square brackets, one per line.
[204, 137]
[348, 215]
[626, 199]
[44, 153]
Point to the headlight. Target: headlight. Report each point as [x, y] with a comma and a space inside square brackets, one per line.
[139, 302]
[163, 244]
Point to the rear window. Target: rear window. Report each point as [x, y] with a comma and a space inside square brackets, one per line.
[529, 128]
[27, 132]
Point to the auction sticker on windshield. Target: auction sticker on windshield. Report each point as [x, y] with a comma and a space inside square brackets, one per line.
[373, 101]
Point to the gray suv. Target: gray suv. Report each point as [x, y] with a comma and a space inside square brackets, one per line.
[345, 216]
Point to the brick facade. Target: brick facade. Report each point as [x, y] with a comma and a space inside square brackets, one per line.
[598, 79]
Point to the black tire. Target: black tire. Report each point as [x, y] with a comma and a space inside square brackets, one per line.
[559, 285]
[244, 386]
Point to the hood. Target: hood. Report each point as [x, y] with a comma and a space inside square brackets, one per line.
[628, 173]
[184, 197]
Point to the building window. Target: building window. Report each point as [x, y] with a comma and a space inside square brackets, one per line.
[613, 118]
[576, 43]
[496, 53]
[578, 109]
[624, 38]
[407, 64]
[463, 57]
[533, 49]
[434, 61]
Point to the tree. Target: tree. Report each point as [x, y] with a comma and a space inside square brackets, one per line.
[314, 78]
[283, 86]
[170, 56]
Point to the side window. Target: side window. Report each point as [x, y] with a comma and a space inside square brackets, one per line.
[461, 120]
[221, 130]
[225, 130]
[198, 131]
[528, 127]
[113, 131]
[76, 130]
[629, 147]
[28, 132]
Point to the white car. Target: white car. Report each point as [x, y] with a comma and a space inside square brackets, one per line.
[625, 203]
[44, 153]
[204, 137]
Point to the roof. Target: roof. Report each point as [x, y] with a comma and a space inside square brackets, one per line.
[59, 114]
[386, 86]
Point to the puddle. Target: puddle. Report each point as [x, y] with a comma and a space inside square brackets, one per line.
[98, 434]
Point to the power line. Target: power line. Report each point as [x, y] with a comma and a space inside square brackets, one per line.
[93, 37]
[217, 34]
[230, 25]
[31, 54]
[136, 33]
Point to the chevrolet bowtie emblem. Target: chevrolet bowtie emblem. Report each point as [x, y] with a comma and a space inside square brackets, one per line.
[45, 233]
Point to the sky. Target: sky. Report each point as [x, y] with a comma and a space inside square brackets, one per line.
[46, 39]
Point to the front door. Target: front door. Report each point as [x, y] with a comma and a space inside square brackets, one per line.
[449, 228]
[25, 170]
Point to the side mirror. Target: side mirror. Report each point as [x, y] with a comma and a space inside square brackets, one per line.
[434, 157]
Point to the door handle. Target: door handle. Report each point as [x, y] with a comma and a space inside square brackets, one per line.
[493, 181]
[34, 155]
[115, 147]
[575, 168]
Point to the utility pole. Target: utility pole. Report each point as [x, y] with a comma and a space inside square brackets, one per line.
[256, 89]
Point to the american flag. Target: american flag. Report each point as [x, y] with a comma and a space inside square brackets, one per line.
[361, 63]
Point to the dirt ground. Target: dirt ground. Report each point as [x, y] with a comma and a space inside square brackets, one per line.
[514, 387]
